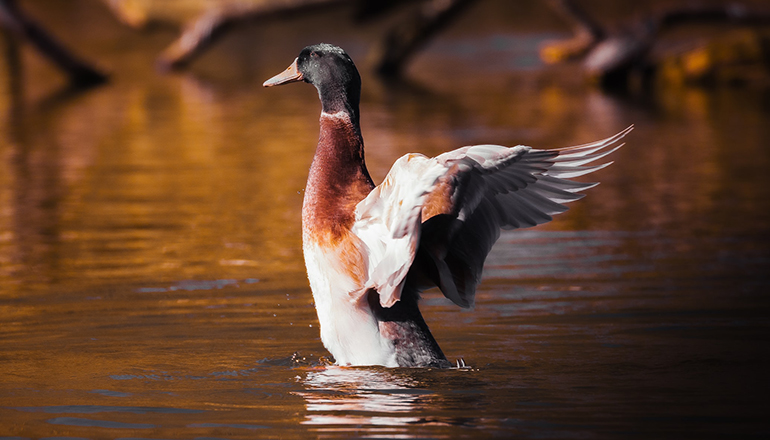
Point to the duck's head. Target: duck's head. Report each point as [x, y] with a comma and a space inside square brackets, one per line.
[331, 71]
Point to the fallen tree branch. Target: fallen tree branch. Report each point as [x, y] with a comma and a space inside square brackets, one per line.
[22, 26]
[612, 59]
[586, 33]
[403, 41]
[202, 32]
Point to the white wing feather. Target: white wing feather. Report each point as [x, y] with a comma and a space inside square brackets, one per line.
[494, 187]
[508, 188]
[388, 223]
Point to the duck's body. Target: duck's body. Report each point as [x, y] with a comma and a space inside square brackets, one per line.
[355, 328]
[369, 250]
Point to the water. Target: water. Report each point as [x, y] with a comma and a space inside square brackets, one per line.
[152, 284]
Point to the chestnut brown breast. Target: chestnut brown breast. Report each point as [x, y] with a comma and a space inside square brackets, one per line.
[337, 181]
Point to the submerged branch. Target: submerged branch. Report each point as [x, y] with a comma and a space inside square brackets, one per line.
[201, 33]
[403, 41]
[19, 24]
[609, 59]
[587, 32]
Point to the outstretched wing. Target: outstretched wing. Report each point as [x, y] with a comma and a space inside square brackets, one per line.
[388, 223]
[435, 219]
[489, 187]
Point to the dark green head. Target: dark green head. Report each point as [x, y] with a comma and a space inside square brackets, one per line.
[331, 71]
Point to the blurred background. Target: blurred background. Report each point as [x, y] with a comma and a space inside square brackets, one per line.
[151, 277]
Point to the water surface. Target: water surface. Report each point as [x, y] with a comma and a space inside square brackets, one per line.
[152, 284]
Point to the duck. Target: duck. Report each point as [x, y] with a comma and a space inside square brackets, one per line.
[371, 250]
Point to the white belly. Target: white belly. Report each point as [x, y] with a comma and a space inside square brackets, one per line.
[348, 329]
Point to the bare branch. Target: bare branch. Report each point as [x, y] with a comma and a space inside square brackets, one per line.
[403, 41]
[18, 23]
[586, 33]
[612, 59]
[201, 33]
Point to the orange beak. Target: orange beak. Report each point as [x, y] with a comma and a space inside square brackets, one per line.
[291, 74]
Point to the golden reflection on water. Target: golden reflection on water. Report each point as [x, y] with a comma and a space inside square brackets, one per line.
[381, 398]
[175, 179]
[379, 402]
[150, 256]
[154, 192]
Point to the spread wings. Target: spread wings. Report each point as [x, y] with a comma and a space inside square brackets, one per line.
[436, 219]
[388, 223]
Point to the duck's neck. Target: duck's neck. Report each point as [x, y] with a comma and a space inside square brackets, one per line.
[338, 177]
[341, 97]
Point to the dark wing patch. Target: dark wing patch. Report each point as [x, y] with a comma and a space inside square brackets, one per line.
[488, 188]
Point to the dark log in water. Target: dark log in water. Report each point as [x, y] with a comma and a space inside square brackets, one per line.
[397, 47]
[18, 23]
[587, 32]
[611, 58]
[201, 33]
[408, 37]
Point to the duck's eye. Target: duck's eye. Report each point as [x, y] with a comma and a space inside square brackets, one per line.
[315, 54]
